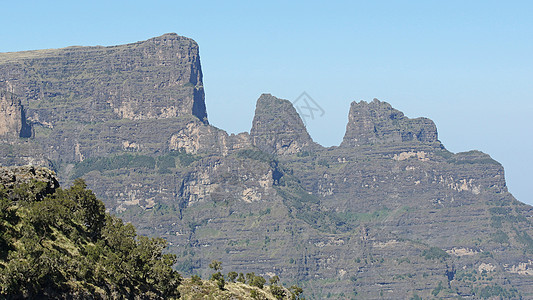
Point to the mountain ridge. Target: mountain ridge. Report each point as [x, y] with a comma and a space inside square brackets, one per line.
[387, 213]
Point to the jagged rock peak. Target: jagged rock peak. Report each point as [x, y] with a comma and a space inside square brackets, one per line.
[13, 123]
[277, 128]
[377, 122]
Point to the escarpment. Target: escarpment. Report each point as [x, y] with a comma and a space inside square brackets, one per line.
[154, 79]
[85, 102]
[388, 214]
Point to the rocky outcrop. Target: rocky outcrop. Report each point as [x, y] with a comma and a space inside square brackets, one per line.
[13, 122]
[195, 137]
[277, 128]
[378, 123]
[13, 177]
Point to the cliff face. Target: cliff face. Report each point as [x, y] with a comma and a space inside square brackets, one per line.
[155, 79]
[390, 213]
[91, 101]
[13, 122]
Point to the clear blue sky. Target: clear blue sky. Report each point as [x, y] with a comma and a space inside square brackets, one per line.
[467, 65]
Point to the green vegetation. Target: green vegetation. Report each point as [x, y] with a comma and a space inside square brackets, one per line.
[184, 158]
[496, 292]
[437, 290]
[466, 275]
[435, 253]
[113, 163]
[500, 237]
[415, 297]
[246, 287]
[63, 243]
[218, 277]
[254, 280]
[525, 239]
[163, 163]
[256, 155]
[60, 243]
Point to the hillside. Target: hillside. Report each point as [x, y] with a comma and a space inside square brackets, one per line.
[60, 244]
[389, 213]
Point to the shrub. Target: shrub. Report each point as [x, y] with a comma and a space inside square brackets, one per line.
[277, 292]
[434, 253]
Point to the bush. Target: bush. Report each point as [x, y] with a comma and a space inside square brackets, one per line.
[434, 253]
[258, 281]
[111, 255]
[241, 278]
[277, 292]
[232, 276]
[195, 279]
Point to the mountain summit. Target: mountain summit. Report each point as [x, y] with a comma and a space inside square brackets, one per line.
[277, 128]
[378, 122]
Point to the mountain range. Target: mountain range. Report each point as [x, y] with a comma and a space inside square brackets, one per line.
[387, 214]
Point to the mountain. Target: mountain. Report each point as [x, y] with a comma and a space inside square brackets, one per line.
[389, 213]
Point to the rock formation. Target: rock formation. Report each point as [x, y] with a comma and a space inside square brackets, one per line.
[277, 128]
[378, 123]
[13, 122]
[155, 79]
[90, 101]
[390, 213]
[10, 177]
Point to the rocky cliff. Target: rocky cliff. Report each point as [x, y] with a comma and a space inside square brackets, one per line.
[390, 213]
[13, 123]
[88, 101]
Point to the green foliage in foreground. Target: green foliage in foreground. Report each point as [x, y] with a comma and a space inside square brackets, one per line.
[64, 245]
[250, 286]
[60, 244]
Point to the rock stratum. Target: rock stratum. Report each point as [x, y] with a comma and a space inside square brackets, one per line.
[388, 214]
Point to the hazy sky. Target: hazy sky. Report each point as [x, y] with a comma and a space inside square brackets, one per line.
[467, 65]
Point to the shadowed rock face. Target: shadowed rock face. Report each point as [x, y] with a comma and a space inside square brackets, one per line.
[277, 128]
[378, 123]
[388, 214]
[12, 117]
